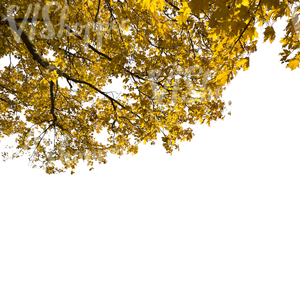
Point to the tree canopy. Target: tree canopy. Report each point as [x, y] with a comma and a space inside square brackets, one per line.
[174, 58]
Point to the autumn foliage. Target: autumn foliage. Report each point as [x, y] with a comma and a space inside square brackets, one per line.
[174, 58]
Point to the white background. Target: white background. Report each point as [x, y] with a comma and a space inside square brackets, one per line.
[217, 220]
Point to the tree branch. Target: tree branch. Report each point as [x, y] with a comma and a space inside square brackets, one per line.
[52, 102]
[31, 48]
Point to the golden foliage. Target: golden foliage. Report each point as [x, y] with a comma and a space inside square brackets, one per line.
[175, 58]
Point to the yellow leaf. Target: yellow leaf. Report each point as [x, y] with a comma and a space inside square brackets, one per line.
[243, 61]
[245, 2]
[223, 77]
[269, 34]
[197, 5]
[293, 64]
[184, 13]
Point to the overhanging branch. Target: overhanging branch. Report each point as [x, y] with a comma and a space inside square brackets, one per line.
[31, 48]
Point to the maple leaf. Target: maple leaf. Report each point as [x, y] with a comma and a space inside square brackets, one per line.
[222, 77]
[293, 64]
[243, 62]
[269, 34]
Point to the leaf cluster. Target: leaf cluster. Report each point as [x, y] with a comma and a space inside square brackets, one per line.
[54, 89]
